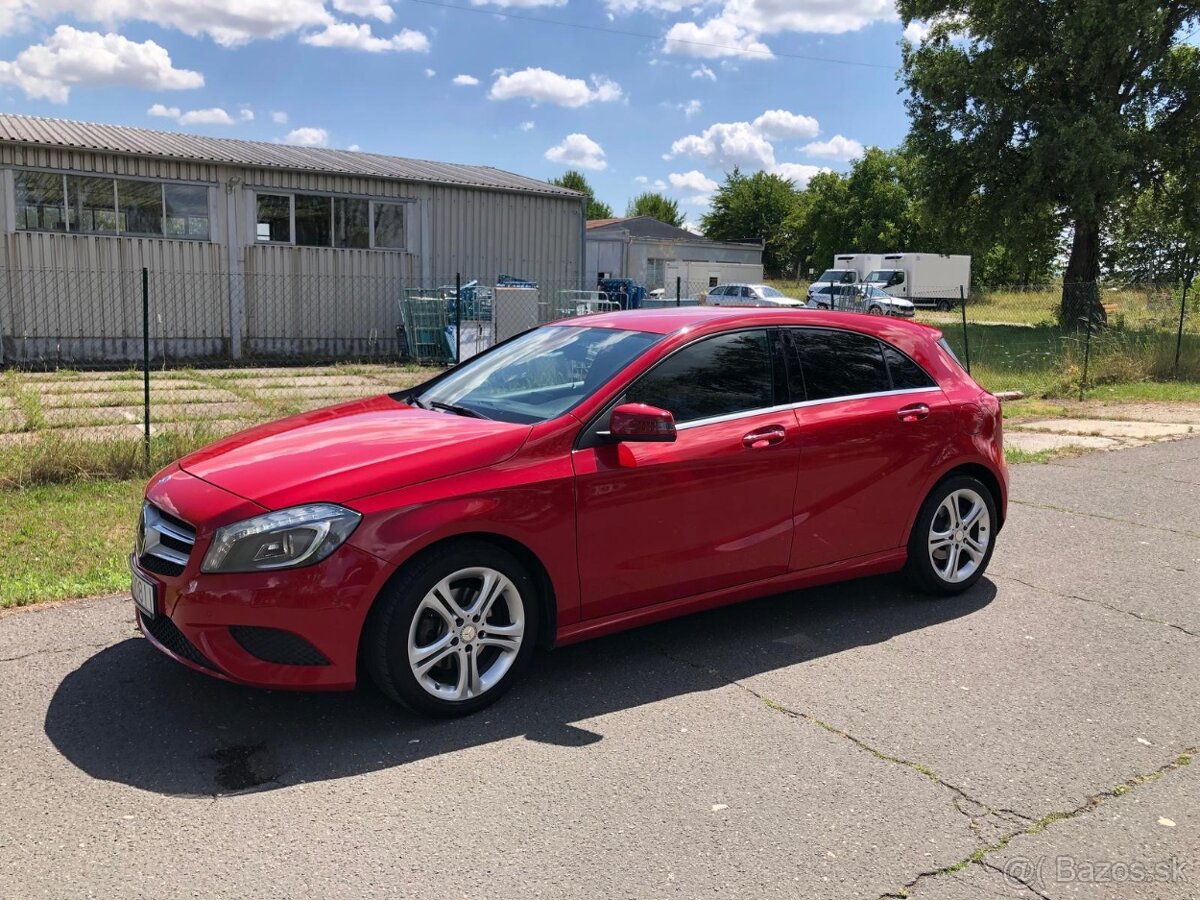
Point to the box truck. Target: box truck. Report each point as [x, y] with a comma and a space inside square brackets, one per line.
[927, 279]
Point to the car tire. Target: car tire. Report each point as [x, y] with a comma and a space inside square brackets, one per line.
[874, 311]
[944, 306]
[450, 634]
[947, 555]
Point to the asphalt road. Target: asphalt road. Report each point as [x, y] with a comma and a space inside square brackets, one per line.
[1025, 740]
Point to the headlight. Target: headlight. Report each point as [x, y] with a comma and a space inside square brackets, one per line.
[298, 536]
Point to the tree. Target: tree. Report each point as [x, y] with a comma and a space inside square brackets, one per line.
[1156, 235]
[657, 206]
[1016, 104]
[574, 180]
[754, 207]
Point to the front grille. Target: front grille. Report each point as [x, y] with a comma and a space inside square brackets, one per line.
[164, 542]
[273, 645]
[164, 631]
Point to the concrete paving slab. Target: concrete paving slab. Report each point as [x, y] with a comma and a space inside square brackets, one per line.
[11, 420]
[1106, 428]
[1185, 413]
[612, 771]
[1151, 574]
[1142, 845]
[1034, 442]
[309, 381]
[320, 392]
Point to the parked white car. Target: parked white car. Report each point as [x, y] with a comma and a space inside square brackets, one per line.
[751, 295]
[863, 298]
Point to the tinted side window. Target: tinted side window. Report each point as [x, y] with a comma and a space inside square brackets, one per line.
[839, 363]
[717, 376]
[906, 374]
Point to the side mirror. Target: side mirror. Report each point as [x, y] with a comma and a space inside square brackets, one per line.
[637, 422]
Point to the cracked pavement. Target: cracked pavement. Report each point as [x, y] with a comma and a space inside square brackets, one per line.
[1031, 738]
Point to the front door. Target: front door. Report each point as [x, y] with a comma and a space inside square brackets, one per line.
[657, 522]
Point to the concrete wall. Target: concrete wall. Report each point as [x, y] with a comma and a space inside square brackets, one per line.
[628, 257]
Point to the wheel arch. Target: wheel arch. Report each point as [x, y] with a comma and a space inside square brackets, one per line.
[546, 596]
[983, 474]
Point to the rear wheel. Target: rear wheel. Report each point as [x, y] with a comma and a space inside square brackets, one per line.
[944, 306]
[875, 311]
[952, 540]
[450, 634]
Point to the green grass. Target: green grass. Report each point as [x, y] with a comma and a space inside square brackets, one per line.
[66, 540]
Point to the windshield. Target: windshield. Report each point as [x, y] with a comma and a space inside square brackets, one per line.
[765, 291]
[537, 376]
[880, 276]
[836, 275]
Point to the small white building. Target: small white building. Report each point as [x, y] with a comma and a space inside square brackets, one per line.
[252, 248]
[646, 250]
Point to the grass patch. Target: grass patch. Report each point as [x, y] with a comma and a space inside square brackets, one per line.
[69, 540]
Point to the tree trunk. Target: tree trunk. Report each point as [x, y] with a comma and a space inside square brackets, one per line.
[1080, 298]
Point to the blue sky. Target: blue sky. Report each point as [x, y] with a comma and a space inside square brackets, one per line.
[694, 90]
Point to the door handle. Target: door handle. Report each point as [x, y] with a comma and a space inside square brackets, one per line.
[767, 437]
[914, 413]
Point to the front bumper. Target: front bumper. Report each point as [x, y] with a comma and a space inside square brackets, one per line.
[294, 628]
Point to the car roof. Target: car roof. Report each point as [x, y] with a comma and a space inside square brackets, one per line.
[671, 319]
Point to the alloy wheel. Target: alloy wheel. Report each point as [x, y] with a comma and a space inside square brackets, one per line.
[959, 536]
[466, 634]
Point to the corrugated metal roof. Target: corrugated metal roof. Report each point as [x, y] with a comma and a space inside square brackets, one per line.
[172, 145]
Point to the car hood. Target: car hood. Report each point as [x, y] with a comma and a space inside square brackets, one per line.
[351, 450]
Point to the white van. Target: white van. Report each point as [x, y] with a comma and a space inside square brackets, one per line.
[927, 279]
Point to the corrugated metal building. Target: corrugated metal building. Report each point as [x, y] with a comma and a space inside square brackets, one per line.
[251, 247]
[647, 250]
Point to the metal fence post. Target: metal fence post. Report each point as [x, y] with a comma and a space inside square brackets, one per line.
[146, 366]
[962, 303]
[1087, 341]
[678, 290]
[458, 318]
[1179, 335]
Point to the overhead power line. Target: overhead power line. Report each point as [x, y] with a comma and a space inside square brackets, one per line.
[744, 51]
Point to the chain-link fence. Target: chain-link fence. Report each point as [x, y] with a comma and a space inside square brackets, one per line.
[1060, 337]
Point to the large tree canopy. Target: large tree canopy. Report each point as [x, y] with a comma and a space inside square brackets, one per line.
[574, 180]
[656, 206]
[1018, 105]
[750, 207]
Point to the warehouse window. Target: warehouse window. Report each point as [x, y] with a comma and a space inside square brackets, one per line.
[389, 226]
[186, 210]
[274, 218]
[89, 204]
[39, 201]
[323, 220]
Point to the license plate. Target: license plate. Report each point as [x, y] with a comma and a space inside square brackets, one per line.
[144, 595]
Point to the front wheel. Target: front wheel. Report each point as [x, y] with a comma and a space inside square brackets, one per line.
[874, 311]
[450, 634]
[953, 537]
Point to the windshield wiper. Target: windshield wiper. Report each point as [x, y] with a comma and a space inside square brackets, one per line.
[414, 400]
[457, 410]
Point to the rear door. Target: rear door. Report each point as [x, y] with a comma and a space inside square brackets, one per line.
[658, 522]
[871, 425]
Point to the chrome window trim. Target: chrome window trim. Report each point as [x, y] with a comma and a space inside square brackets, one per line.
[714, 420]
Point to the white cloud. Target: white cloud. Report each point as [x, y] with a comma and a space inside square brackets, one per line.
[821, 16]
[246, 114]
[578, 150]
[799, 173]
[916, 31]
[354, 148]
[693, 182]
[166, 112]
[691, 108]
[279, 118]
[228, 22]
[349, 36]
[628, 6]
[716, 38]
[658, 184]
[212, 116]
[779, 124]
[69, 57]
[465, 80]
[518, 4]
[703, 71]
[429, 73]
[308, 137]
[375, 9]
[527, 126]
[725, 145]
[544, 86]
[837, 147]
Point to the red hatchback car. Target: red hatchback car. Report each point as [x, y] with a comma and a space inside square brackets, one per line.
[581, 478]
